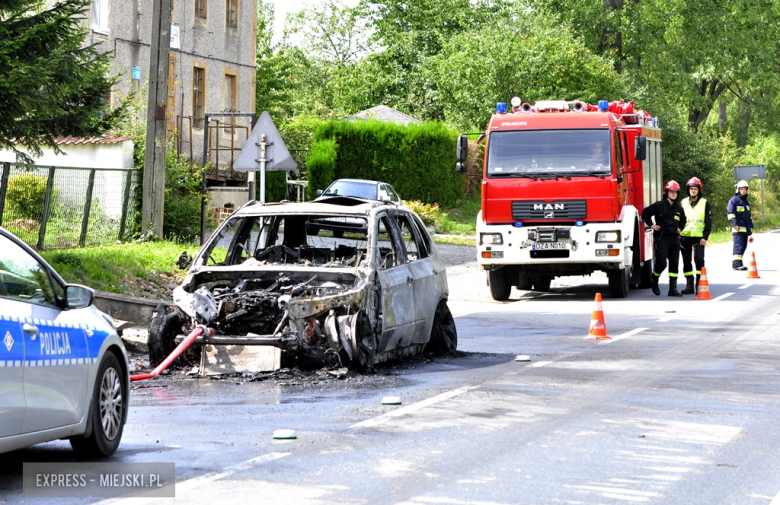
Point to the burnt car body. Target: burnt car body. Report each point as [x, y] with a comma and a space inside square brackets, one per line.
[376, 292]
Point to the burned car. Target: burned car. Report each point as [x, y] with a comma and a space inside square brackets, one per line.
[372, 290]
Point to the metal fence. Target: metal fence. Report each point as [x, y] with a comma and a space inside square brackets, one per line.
[61, 207]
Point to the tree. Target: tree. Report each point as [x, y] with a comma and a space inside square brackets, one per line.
[51, 84]
[527, 57]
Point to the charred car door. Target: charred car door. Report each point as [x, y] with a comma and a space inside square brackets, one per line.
[396, 284]
[425, 292]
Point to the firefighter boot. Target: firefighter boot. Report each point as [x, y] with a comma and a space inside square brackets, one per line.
[673, 287]
[689, 288]
[656, 290]
[737, 265]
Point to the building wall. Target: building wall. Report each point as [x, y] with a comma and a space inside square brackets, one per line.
[211, 45]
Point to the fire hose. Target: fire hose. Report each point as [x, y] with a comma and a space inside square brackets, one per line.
[200, 329]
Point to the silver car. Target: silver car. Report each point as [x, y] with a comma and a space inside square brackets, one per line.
[63, 368]
[359, 188]
[376, 293]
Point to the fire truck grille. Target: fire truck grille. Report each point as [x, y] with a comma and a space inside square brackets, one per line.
[539, 211]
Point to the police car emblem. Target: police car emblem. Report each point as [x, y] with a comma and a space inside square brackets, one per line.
[9, 340]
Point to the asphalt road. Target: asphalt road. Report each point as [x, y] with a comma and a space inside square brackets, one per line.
[680, 407]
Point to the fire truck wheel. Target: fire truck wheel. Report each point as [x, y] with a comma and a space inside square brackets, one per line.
[619, 281]
[647, 275]
[499, 285]
[541, 282]
[523, 282]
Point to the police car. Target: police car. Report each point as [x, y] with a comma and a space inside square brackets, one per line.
[63, 368]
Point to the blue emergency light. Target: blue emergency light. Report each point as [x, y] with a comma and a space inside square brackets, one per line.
[603, 106]
[501, 108]
[579, 223]
[518, 224]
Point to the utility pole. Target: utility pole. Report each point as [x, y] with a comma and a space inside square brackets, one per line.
[156, 118]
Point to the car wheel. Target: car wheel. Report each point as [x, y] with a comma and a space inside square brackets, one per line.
[444, 335]
[166, 323]
[338, 233]
[107, 411]
[499, 285]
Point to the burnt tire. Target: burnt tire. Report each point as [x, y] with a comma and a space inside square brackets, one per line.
[166, 323]
[107, 412]
[444, 334]
[366, 343]
[499, 285]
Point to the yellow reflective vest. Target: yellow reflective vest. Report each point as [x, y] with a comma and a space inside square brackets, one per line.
[695, 216]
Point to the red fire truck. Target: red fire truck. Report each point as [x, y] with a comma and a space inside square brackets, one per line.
[563, 188]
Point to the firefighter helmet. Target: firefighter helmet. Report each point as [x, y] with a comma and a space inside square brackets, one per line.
[694, 181]
[671, 186]
[742, 184]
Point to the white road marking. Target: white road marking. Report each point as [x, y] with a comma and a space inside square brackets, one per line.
[539, 364]
[665, 319]
[721, 297]
[745, 286]
[775, 500]
[211, 477]
[375, 421]
[624, 335]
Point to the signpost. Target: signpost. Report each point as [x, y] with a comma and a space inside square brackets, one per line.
[263, 151]
[748, 172]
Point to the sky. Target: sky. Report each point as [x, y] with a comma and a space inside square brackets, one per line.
[282, 7]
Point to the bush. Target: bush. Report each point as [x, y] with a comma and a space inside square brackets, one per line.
[321, 166]
[181, 217]
[26, 195]
[418, 160]
[429, 213]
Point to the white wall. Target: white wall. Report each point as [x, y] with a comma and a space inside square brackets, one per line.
[117, 155]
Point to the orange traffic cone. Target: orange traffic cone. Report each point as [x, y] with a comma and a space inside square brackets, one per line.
[598, 328]
[753, 269]
[704, 286]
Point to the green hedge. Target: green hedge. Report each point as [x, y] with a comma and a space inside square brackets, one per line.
[417, 160]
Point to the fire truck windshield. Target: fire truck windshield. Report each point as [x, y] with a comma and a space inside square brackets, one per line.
[538, 152]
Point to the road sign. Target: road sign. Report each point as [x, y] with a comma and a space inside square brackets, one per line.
[748, 172]
[277, 157]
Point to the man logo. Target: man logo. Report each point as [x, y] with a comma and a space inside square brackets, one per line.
[549, 215]
[549, 206]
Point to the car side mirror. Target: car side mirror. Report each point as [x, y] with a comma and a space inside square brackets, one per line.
[319, 192]
[78, 296]
[462, 149]
[640, 148]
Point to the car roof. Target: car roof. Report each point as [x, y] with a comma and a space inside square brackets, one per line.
[362, 181]
[343, 205]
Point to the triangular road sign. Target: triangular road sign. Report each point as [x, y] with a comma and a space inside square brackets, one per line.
[276, 154]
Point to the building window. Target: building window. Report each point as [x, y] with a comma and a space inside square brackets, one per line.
[230, 93]
[231, 13]
[100, 16]
[201, 10]
[198, 96]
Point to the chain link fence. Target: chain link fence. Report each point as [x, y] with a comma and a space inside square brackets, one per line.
[61, 207]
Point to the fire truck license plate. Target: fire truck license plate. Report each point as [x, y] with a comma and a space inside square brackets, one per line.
[541, 246]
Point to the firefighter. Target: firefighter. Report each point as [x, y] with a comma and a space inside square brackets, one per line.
[741, 223]
[669, 221]
[698, 217]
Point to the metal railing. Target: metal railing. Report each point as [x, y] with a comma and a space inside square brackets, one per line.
[51, 207]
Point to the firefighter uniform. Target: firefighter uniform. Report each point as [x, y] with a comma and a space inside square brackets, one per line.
[698, 215]
[741, 225]
[670, 217]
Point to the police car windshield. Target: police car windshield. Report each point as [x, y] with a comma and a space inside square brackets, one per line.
[539, 152]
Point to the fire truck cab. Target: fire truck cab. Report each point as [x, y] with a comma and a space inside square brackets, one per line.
[563, 187]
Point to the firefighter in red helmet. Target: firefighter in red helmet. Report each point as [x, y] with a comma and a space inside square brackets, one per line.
[694, 236]
[669, 222]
